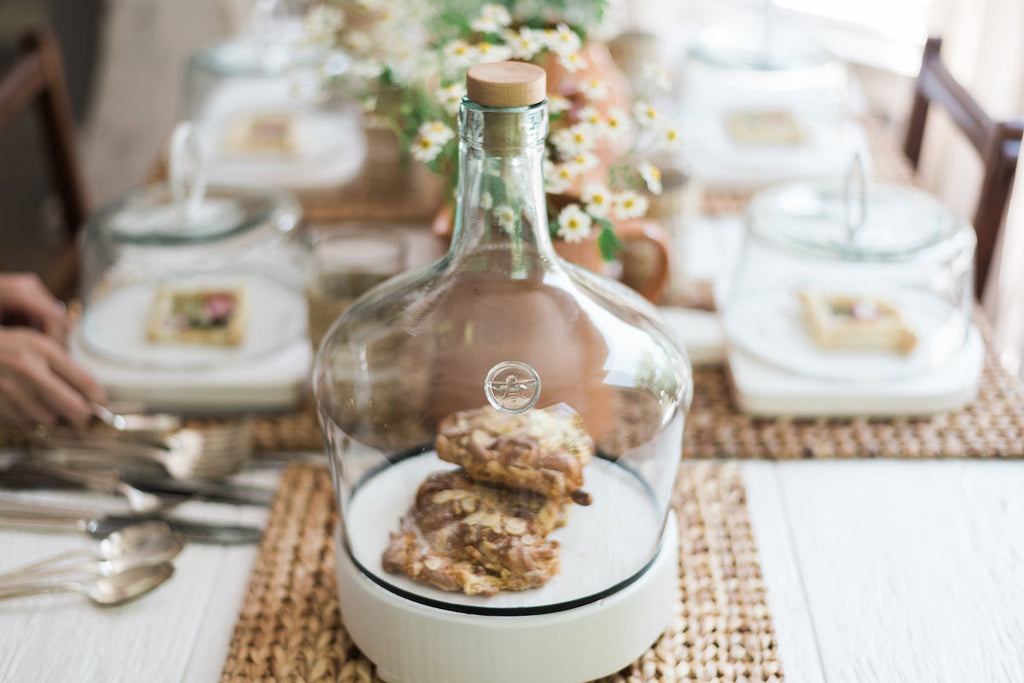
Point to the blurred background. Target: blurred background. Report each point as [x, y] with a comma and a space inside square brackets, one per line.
[125, 62]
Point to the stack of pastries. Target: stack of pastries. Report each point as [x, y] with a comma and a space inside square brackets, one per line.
[484, 527]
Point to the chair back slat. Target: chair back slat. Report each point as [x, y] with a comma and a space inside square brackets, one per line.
[37, 78]
[996, 142]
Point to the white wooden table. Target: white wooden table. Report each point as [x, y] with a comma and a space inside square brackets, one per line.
[876, 571]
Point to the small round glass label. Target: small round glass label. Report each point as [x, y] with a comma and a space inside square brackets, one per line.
[512, 387]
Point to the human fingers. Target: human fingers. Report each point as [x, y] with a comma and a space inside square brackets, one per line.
[25, 295]
[69, 387]
[19, 403]
[11, 412]
[80, 379]
[37, 366]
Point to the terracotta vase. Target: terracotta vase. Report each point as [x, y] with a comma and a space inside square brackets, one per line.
[653, 279]
[599, 67]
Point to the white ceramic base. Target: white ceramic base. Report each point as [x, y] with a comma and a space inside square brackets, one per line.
[766, 390]
[414, 643]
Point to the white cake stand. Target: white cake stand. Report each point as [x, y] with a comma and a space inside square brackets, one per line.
[411, 642]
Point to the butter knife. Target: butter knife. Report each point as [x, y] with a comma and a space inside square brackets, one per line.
[28, 474]
[213, 491]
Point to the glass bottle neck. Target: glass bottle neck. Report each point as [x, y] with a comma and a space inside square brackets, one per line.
[501, 201]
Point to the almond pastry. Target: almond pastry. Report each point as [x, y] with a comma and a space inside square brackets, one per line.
[263, 133]
[540, 450]
[840, 321]
[214, 316]
[462, 535]
[764, 127]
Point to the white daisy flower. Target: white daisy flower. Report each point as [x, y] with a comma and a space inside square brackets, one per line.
[490, 52]
[597, 199]
[573, 224]
[646, 113]
[672, 136]
[557, 177]
[581, 163]
[618, 125]
[629, 204]
[322, 24]
[572, 62]
[651, 175]
[595, 89]
[437, 130]
[450, 97]
[590, 117]
[425, 149]
[525, 43]
[506, 217]
[430, 139]
[492, 18]
[558, 103]
[459, 54]
[562, 40]
[486, 200]
[573, 141]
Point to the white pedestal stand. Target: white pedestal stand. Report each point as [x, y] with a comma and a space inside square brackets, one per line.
[414, 643]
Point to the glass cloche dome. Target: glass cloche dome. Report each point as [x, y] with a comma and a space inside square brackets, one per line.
[850, 281]
[504, 431]
[182, 277]
[269, 114]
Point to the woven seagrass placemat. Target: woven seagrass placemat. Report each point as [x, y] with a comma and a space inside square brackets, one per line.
[290, 626]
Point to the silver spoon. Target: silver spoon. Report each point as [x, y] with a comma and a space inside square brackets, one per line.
[145, 543]
[102, 590]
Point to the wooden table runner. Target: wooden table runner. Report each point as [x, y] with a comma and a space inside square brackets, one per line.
[290, 627]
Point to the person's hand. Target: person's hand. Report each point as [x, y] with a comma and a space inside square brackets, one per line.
[24, 300]
[40, 383]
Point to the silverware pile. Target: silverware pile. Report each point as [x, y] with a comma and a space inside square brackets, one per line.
[142, 503]
[128, 478]
[124, 564]
[151, 442]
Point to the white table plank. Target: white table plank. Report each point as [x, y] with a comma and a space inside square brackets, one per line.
[791, 618]
[912, 570]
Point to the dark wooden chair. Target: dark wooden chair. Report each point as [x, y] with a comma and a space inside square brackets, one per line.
[997, 144]
[37, 79]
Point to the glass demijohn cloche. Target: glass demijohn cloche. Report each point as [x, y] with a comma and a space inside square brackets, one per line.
[504, 431]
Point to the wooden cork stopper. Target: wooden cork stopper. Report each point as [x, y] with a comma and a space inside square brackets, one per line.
[506, 84]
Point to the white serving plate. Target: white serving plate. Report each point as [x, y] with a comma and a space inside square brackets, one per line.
[767, 390]
[275, 382]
